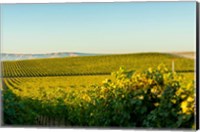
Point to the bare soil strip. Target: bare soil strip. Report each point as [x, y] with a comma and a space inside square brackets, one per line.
[190, 55]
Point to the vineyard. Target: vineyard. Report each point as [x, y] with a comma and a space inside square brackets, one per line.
[32, 86]
[71, 66]
[77, 91]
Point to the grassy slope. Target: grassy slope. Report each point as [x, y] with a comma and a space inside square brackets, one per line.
[92, 64]
[57, 81]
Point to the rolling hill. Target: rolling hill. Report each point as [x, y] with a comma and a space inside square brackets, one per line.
[93, 65]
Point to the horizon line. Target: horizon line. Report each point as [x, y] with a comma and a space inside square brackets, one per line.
[101, 53]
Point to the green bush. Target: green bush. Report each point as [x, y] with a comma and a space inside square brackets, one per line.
[17, 111]
[155, 98]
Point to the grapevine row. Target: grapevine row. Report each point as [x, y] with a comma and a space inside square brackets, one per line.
[92, 65]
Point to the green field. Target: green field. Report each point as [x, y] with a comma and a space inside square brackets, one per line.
[189, 75]
[93, 65]
[81, 72]
[74, 89]
[31, 86]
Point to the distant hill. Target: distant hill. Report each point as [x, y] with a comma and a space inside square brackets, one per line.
[10, 56]
[13, 56]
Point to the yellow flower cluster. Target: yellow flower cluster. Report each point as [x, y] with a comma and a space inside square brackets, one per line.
[86, 98]
[187, 106]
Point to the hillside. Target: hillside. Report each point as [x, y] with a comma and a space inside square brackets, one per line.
[93, 65]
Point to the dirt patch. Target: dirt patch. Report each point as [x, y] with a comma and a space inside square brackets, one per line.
[190, 55]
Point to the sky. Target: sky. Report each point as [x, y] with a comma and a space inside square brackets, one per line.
[98, 27]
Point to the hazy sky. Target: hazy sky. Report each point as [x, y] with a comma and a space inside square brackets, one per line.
[98, 27]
